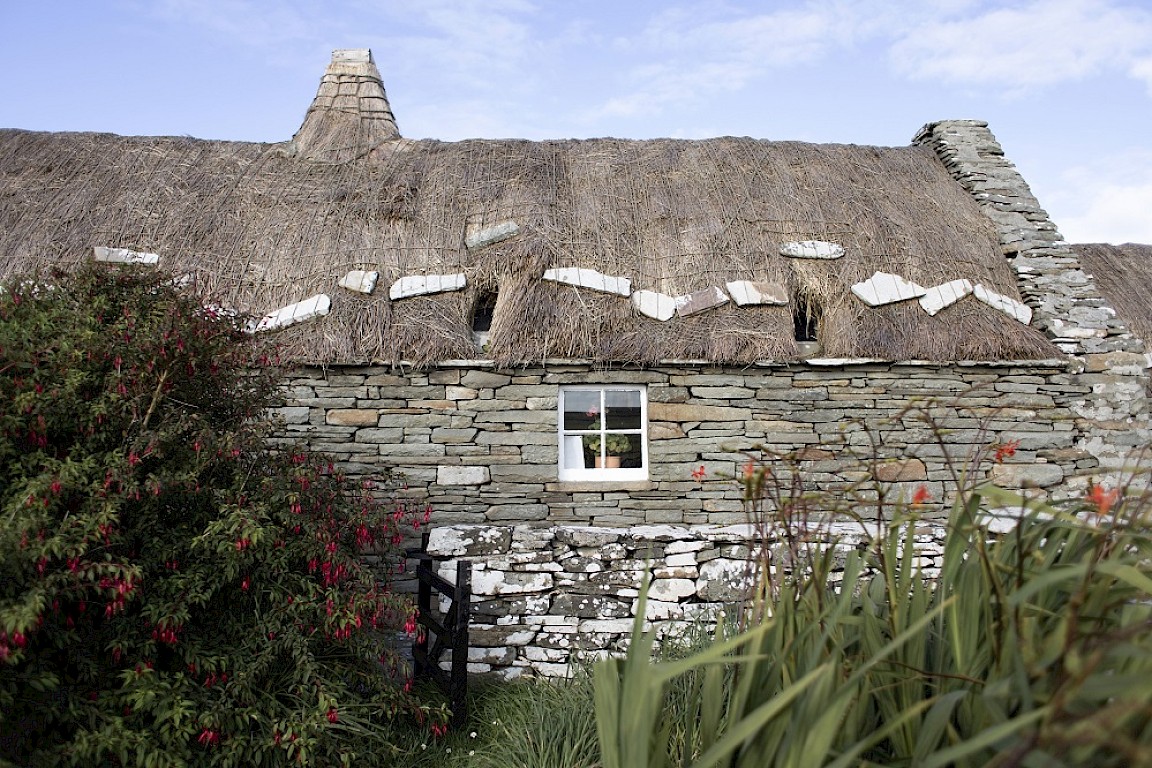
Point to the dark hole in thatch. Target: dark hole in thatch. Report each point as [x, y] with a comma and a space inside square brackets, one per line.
[805, 317]
[482, 315]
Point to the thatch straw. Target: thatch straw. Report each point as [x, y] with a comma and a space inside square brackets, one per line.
[1123, 274]
[262, 228]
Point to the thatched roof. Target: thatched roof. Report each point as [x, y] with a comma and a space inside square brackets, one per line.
[1123, 274]
[265, 225]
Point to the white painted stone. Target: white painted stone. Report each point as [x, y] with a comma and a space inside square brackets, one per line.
[886, 288]
[491, 235]
[124, 256]
[656, 305]
[360, 281]
[590, 278]
[700, 301]
[314, 306]
[420, 285]
[724, 580]
[656, 532]
[944, 295]
[607, 626]
[812, 249]
[446, 475]
[747, 293]
[671, 590]
[450, 541]
[1005, 304]
[509, 582]
[675, 572]
[674, 560]
[657, 610]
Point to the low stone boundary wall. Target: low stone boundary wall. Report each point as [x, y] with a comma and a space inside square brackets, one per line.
[545, 597]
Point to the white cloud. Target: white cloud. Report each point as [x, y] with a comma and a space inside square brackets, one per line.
[1109, 201]
[1142, 70]
[258, 24]
[1027, 45]
[685, 54]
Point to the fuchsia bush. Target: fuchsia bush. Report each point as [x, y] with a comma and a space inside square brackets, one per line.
[171, 590]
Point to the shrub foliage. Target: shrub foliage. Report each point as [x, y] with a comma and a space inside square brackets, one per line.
[171, 589]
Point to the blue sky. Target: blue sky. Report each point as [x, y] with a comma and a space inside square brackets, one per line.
[1066, 85]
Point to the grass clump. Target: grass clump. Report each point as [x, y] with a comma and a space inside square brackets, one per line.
[1031, 647]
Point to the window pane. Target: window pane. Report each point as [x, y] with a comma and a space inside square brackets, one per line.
[623, 409]
[581, 409]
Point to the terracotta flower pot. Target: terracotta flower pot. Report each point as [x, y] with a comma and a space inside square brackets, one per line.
[608, 462]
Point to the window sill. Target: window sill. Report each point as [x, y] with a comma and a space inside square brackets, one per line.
[606, 485]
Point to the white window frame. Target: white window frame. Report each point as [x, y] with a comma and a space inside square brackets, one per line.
[569, 442]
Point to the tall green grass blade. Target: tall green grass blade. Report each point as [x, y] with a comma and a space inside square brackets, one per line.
[982, 741]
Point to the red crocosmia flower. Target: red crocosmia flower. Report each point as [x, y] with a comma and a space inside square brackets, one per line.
[1006, 450]
[333, 715]
[921, 496]
[749, 468]
[1103, 499]
[699, 473]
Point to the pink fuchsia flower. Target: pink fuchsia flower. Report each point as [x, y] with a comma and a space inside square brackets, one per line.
[333, 715]
[208, 737]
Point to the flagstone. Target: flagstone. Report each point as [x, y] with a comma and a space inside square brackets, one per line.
[747, 292]
[591, 279]
[360, 281]
[886, 288]
[420, 285]
[944, 295]
[653, 304]
[812, 249]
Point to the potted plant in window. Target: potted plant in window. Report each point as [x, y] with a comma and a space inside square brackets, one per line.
[615, 446]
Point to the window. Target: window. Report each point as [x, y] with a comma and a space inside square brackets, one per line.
[603, 433]
[482, 320]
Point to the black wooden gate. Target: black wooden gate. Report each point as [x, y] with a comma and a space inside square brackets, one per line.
[445, 633]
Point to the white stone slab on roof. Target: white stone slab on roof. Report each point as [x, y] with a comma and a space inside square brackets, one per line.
[655, 305]
[591, 279]
[479, 238]
[313, 306]
[123, 256]
[748, 293]
[944, 295]
[886, 288]
[420, 285]
[1005, 304]
[812, 249]
[360, 281]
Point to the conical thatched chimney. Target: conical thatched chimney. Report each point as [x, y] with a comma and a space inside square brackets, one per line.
[350, 114]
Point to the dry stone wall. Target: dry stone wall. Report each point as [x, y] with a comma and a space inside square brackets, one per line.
[557, 564]
[480, 444]
[1066, 304]
[549, 596]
